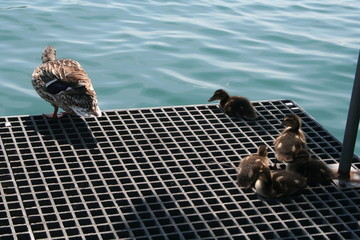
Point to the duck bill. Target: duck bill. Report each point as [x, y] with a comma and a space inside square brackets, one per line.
[212, 99]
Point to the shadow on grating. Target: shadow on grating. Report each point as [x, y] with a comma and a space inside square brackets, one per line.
[160, 173]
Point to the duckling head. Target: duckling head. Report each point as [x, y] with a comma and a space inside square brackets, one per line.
[49, 54]
[262, 151]
[302, 156]
[292, 121]
[219, 94]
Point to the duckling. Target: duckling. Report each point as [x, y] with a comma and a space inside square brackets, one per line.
[291, 140]
[65, 84]
[315, 171]
[274, 184]
[250, 167]
[234, 106]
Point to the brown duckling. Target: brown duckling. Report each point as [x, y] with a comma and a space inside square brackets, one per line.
[274, 184]
[65, 84]
[250, 167]
[315, 171]
[235, 106]
[291, 140]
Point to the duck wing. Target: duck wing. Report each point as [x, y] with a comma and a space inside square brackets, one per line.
[287, 144]
[249, 171]
[240, 107]
[287, 183]
[316, 171]
[302, 138]
[59, 75]
[65, 84]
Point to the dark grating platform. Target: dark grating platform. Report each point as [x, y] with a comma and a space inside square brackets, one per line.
[160, 173]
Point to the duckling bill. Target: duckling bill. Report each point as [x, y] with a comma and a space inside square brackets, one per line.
[235, 106]
[251, 166]
[291, 139]
[65, 84]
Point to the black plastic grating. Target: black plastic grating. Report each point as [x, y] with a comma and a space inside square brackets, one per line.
[160, 173]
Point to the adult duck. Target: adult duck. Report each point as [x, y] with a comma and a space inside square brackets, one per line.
[65, 84]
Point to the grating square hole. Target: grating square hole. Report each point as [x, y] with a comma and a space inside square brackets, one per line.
[160, 173]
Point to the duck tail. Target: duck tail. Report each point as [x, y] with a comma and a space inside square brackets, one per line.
[97, 112]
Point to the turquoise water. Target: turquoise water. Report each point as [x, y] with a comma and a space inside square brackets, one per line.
[148, 53]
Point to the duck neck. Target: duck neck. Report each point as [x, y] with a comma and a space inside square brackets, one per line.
[294, 129]
[224, 101]
[47, 57]
[301, 157]
[262, 151]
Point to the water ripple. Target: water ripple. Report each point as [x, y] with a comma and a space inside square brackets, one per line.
[183, 78]
[154, 53]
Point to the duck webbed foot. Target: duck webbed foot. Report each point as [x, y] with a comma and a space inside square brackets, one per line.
[55, 114]
[52, 115]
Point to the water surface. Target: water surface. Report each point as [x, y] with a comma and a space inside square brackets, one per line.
[148, 53]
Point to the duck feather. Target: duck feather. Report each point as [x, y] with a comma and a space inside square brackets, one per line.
[65, 84]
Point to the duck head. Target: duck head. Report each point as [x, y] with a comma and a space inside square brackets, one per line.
[292, 121]
[219, 94]
[49, 54]
[302, 156]
[262, 151]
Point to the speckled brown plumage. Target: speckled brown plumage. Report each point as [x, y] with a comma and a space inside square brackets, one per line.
[250, 167]
[65, 84]
[278, 183]
[291, 139]
[314, 170]
[235, 106]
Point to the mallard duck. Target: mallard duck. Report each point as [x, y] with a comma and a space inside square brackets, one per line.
[278, 183]
[250, 167]
[315, 171]
[291, 139]
[235, 106]
[65, 84]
